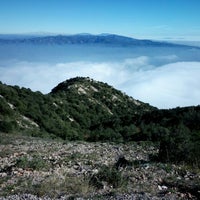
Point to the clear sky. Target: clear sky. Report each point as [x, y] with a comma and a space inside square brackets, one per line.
[136, 18]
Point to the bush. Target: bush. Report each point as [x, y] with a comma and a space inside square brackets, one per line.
[35, 163]
[180, 147]
[5, 108]
[111, 175]
[7, 126]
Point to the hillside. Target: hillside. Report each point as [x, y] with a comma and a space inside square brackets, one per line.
[71, 111]
[44, 169]
[84, 109]
[88, 129]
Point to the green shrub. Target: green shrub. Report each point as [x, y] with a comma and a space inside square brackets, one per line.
[7, 126]
[111, 175]
[180, 147]
[36, 163]
[55, 186]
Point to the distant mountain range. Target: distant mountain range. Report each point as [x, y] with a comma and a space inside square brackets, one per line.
[102, 39]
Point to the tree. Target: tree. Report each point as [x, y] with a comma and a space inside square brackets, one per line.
[175, 146]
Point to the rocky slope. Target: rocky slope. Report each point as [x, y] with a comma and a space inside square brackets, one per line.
[32, 168]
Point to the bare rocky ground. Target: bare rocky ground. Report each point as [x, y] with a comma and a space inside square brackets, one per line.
[32, 168]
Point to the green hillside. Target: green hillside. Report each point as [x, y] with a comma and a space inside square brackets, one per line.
[84, 109]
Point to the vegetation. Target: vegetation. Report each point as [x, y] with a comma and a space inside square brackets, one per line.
[178, 132]
[55, 169]
[35, 163]
[84, 109]
[108, 174]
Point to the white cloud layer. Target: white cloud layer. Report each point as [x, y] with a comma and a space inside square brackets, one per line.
[164, 86]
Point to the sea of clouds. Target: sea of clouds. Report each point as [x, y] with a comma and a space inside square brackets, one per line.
[164, 81]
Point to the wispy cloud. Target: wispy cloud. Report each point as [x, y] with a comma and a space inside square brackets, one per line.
[164, 86]
[162, 27]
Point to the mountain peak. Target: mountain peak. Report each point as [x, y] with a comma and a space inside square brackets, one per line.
[72, 82]
[99, 92]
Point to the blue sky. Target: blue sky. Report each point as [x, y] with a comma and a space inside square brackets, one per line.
[154, 19]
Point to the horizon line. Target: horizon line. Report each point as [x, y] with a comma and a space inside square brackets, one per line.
[164, 38]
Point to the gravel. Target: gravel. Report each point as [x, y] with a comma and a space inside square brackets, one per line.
[32, 167]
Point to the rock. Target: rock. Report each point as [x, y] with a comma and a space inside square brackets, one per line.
[3, 174]
[95, 171]
[122, 162]
[159, 187]
[163, 187]
[76, 167]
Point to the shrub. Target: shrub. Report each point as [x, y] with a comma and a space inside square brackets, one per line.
[179, 146]
[7, 126]
[111, 175]
[35, 163]
[55, 186]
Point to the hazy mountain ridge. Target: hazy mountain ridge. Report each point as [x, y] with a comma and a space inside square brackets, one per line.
[102, 39]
